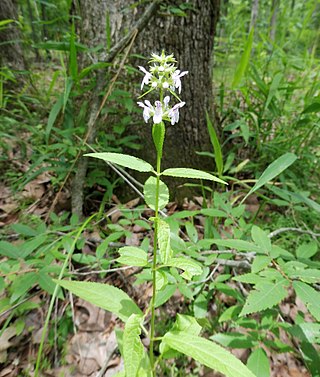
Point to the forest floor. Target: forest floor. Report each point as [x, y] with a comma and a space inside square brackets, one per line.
[90, 348]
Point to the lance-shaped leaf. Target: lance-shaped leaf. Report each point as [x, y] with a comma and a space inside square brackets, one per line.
[207, 353]
[133, 256]
[265, 295]
[149, 192]
[125, 160]
[189, 266]
[104, 296]
[132, 346]
[164, 241]
[191, 173]
[273, 170]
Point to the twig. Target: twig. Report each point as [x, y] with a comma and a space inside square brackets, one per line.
[299, 230]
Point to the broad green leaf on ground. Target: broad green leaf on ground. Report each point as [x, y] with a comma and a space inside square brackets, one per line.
[307, 250]
[234, 340]
[244, 61]
[192, 174]
[239, 245]
[9, 250]
[125, 160]
[273, 170]
[132, 346]
[104, 296]
[189, 266]
[258, 363]
[207, 353]
[133, 256]
[164, 294]
[260, 262]
[261, 239]
[164, 241]
[149, 192]
[216, 145]
[187, 324]
[309, 296]
[22, 284]
[265, 295]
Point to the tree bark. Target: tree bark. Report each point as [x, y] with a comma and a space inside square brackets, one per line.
[11, 53]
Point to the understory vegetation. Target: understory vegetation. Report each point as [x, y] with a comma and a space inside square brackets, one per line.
[238, 269]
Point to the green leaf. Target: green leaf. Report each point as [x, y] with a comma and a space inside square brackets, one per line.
[244, 61]
[189, 266]
[264, 296]
[309, 275]
[164, 241]
[309, 296]
[133, 256]
[200, 306]
[149, 192]
[238, 245]
[260, 262]
[261, 239]
[307, 250]
[24, 230]
[132, 346]
[9, 250]
[125, 160]
[192, 174]
[22, 284]
[207, 353]
[164, 294]
[258, 363]
[216, 145]
[73, 64]
[234, 340]
[104, 296]
[313, 108]
[56, 108]
[187, 324]
[158, 133]
[274, 169]
[47, 284]
[273, 88]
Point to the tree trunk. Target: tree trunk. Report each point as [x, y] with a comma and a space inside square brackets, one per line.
[11, 54]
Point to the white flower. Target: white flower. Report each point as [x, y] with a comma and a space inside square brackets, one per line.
[173, 113]
[156, 111]
[147, 76]
[148, 110]
[176, 79]
[165, 85]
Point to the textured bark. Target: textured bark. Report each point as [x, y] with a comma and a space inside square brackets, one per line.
[11, 54]
[190, 39]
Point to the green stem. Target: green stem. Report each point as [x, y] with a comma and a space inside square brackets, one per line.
[154, 266]
[55, 292]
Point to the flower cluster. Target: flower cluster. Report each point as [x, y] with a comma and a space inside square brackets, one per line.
[162, 76]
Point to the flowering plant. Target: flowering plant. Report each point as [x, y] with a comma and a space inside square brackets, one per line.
[164, 78]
